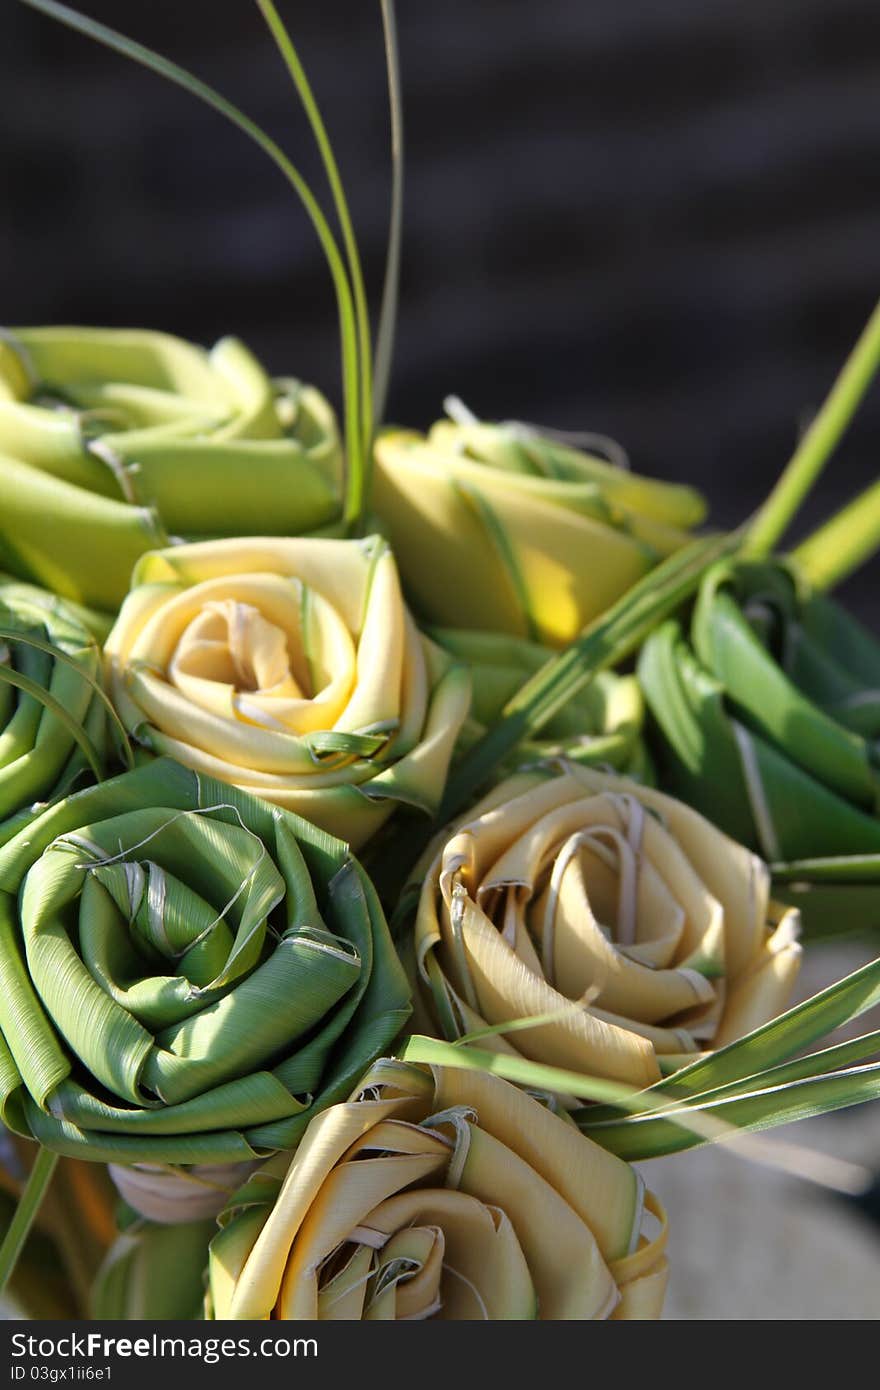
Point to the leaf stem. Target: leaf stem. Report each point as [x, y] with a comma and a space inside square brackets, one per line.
[25, 1214]
[818, 442]
[842, 543]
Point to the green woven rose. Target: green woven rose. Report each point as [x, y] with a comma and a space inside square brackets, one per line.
[114, 442]
[186, 973]
[767, 716]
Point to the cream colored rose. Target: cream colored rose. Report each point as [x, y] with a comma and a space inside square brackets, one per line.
[639, 933]
[291, 669]
[440, 1194]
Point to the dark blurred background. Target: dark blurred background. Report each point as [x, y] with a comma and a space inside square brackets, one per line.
[661, 222]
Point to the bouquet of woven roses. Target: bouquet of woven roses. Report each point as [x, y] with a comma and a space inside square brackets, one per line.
[402, 835]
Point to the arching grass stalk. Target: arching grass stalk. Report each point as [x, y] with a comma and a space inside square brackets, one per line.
[21, 682]
[391, 288]
[345, 270]
[359, 484]
[816, 446]
[754, 1083]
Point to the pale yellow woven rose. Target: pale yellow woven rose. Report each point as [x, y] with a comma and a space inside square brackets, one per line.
[503, 528]
[291, 669]
[440, 1194]
[639, 934]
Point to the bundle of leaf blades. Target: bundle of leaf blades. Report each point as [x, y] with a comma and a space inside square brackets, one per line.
[767, 1078]
[227, 971]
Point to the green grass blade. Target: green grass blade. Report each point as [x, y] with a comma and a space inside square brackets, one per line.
[391, 286]
[41, 1287]
[25, 1214]
[857, 870]
[358, 491]
[643, 1132]
[783, 1036]
[828, 1059]
[534, 1075]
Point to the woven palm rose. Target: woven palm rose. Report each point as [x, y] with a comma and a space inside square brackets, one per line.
[114, 442]
[637, 932]
[53, 723]
[291, 669]
[504, 529]
[440, 1194]
[767, 719]
[187, 974]
[769, 713]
